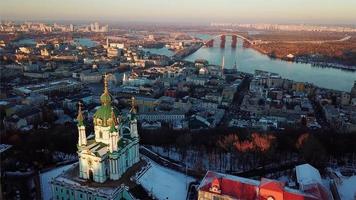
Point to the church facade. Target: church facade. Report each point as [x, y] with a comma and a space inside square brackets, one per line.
[104, 156]
[110, 153]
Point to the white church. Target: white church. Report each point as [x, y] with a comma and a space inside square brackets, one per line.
[104, 157]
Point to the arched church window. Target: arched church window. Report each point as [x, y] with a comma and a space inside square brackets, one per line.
[100, 134]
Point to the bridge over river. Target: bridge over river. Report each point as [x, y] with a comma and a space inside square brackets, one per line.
[222, 36]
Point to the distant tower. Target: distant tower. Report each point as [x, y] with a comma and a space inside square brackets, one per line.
[96, 26]
[92, 27]
[107, 42]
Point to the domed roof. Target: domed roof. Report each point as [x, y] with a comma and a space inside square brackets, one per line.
[105, 99]
[103, 116]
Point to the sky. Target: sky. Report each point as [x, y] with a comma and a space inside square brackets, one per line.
[185, 11]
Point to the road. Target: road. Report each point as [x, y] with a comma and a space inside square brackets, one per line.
[234, 108]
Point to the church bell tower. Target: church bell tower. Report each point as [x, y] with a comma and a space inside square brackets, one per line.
[82, 138]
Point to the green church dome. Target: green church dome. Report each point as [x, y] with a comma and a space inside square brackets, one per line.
[105, 98]
[103, 116]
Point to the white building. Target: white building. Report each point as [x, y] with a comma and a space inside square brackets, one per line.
[90, 77]
[103, 158]
[162, 116]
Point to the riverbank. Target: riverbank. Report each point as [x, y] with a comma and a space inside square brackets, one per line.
[319, 62]
[187, 51]
[336, 57]
[248, 60]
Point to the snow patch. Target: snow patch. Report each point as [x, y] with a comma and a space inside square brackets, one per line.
[165, 183]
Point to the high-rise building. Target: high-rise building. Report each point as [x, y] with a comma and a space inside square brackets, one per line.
[92, 27]
[96, 27]
[71, 27]
[105, 28]
[103, 157]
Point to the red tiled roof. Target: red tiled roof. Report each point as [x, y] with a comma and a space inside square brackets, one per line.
[243, 188]
[233, 188]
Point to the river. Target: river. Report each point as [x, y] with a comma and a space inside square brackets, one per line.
[248, 60]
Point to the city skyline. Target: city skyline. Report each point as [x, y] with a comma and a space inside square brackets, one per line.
[178, 99]
[184, 11]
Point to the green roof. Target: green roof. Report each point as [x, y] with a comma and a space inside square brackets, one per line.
[133, 116]
[104, 112]
[105, 98]
[80, 123]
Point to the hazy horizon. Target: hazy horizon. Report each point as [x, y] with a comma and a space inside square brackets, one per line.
[183, 11]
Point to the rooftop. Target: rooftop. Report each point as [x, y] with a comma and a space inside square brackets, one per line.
[307, 174]
[100, 149]
[243, 188]
[109, 187]
[51, 85]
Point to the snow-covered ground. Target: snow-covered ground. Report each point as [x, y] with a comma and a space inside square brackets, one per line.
[165, 183]
[213, 160]
[47, 176]
[347, 189]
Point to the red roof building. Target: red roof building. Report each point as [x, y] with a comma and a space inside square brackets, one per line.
[217, 186]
